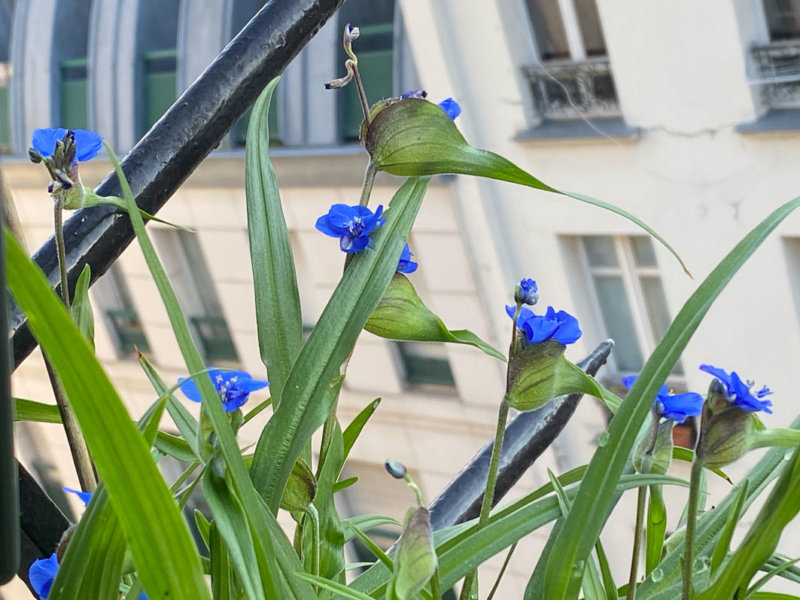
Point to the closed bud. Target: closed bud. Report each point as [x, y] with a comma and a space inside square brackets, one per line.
[655, 455]
[725, 436]
[415, 562]
[395, 469]
[301, 488]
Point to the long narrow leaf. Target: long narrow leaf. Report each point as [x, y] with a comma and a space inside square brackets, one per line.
[301, 410]
[582, 526]
[280, 557]
[280, 324]
[159, 539]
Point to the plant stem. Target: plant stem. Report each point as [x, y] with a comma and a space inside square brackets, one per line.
[637, 541]
[502, 571]
[436, 591]
[691, 518]
[369, 179]
[312, 513]
[77, 445]
[491, 480]
[362, 95]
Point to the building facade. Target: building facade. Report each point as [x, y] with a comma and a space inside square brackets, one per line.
[684, 114]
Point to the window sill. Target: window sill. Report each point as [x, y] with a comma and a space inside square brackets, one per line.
[579, 129]
[776, 120]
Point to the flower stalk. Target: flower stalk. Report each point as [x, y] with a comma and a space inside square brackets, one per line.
[691, 521]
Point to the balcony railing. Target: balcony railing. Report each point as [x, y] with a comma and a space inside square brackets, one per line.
[564, 90]
[777, 72]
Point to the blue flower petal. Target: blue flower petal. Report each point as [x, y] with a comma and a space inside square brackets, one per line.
[41, 575]
[351, 224]
[678, 407]
[189, 389]
[85, 497]
[451, 107]
[44, 140]
[405, 264]
[739, 392]
[88, 144]
[234, 387]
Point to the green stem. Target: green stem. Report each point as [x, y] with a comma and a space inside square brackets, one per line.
[637, 541]
[312, 513]
[436, 591]
[491, 480]
[75, 440]
[369, 179]
[502, 571]
[691, 519]
[362, 95]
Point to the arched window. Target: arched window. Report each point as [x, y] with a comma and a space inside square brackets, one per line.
[156, 39]
[70, 48]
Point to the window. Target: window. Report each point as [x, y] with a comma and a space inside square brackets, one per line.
[627, 287]
[425, 363]
[5, 108]
[186, 268]
[74, 100]
[160, 83]
[777, 63]
[376, 57]
[71, 38]
[113, 296]
[156, 71]
[573, 76]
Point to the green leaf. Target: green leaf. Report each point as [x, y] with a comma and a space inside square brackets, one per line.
[582, 527]
[401, 315]
[353, 430]
[222, 585]
[333, 586]
[656, 529]
[414, 137]
[279, 555]
[300, 488]
[781, 507]
[81, 309]
[723, 545]
[232, 525]
[160, 542]
[280, 324]
[30, 410]
[365, 523]
[305, 404]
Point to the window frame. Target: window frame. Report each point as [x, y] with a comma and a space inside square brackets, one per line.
[629, 272]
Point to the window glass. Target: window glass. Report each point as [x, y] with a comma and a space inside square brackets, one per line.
[600, 251]
[548, 29]
[589, 21]
[618, 320]
[783, 19]
[643, 253]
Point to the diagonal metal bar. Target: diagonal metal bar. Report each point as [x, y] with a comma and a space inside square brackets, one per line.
[527, 436]
[162, 160]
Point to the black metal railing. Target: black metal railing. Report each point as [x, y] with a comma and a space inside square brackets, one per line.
[777, 71]
[564, 90]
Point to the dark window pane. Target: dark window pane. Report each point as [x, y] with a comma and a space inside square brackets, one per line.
[618, 320]
[643, 253]
[426, 363]
[5, 123]
[548, 29]
[783, 19]
[657, 312]
[591, 32]
[600, 250]
[74, 100]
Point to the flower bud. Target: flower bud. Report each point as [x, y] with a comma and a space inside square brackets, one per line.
[415, 562]
[725, 435]
[526, 292]
[395, 469]
[301, 488]
[655, 455]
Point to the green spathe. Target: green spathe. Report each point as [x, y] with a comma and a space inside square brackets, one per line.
[300, 489]
[416, 556]
[401, 315]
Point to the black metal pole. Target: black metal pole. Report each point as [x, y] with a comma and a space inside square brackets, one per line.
[9, 496]
[181, 139]
[527, 436]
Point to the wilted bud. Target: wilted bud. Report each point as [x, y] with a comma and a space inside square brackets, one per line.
[300, 488]
[351, 34]
[396, 469]
[415, 561]
[35, 157]
[342, 81]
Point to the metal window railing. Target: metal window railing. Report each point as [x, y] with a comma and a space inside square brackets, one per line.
[777, 72]
[564, 90]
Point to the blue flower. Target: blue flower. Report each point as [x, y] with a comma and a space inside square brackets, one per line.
[675, 407]
[526, 292]
[233, 387]
[84, 496]
[352, 225]
[738, 391]
[559, 326]
[451, 107]
[88, 143]
[406, 265]
[42, 573]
